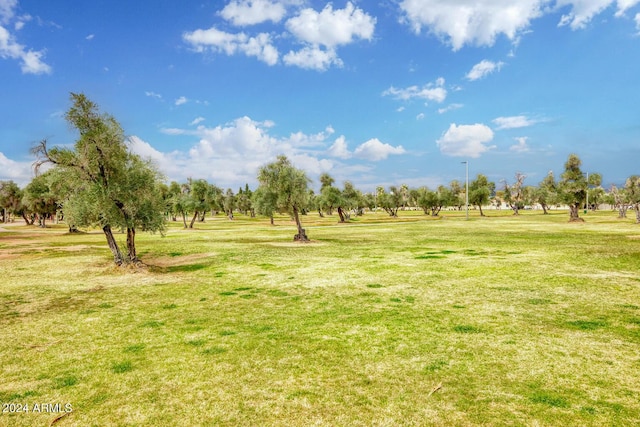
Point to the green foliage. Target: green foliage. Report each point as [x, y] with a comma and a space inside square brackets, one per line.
[287, 185]
[39, 199]
[105, 184]
[10, 198]
[480, 191]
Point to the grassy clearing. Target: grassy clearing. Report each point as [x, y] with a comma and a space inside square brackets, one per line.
[512, 321]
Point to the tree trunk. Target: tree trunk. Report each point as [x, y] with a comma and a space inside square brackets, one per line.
[573, 213]
[341, 214]
[544, 208]
[271, 218]
[195, 215]
[184, 219]
[481, 213]
[113, 245]
[131, 245]
[320, 213]
[302, 235]
[622, 211]
[204, 213]
[637, 208]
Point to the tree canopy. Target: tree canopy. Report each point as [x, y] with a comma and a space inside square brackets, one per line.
[287, 187]
[112, 187]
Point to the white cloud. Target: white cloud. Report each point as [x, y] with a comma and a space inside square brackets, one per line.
[7, 10]
[420, 116]
[180, 101]
[583, 11]
[375, 150]
[251, 12]
[331, 27]
[30, 60]
[222, 42]
[450, 107]
[231, 154]
[637, 19]
[471, 22]
[521, 146]
[430, 92]
[482, 69]
[153, 94]
[339, 149]
[465, 140]
[624, 5]
[197, 120]
[313, 58]
[90, 37]
[20, 172]
[513, 122]
[480, 22]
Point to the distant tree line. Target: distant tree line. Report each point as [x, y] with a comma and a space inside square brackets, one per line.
[101, 183]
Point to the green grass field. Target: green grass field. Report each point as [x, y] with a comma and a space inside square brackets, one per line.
[418, 321]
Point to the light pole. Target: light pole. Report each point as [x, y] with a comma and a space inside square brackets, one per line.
[466, 187]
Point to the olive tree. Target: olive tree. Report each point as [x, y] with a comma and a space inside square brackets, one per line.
[39, 199]
[112, 186]
[572, 188]
[288, 186]
[480, 191]
[632, 187]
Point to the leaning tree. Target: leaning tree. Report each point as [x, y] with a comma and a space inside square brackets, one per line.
[287, 186]
[112, 187]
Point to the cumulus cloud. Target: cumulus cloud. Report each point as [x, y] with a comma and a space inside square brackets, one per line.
[340, 149]
[430, 92]
[521, 146]
[318, 33]
[420, 116]
[583, 11]
[313, 58]
[482, 69]
[181, 101]
[471, 22]
[219, 41]
[322, 32]
[20, 172]
[152, 94]
[331, 27]
[375, 150]
[7, 10]
[465, 140]
[480, 22]
[30, 61]
[231, 154]
[513, 122]
[90, 37]
[251, 12]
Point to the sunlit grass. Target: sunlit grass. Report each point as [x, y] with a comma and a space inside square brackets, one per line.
[416, 321]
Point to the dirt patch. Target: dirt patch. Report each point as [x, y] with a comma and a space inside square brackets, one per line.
[173, 261]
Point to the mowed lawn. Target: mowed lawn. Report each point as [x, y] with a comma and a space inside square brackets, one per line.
[413, 321]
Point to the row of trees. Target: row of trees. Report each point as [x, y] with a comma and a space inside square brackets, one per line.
[100, 183]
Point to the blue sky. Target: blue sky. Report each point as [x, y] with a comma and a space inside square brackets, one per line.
[379, 93]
